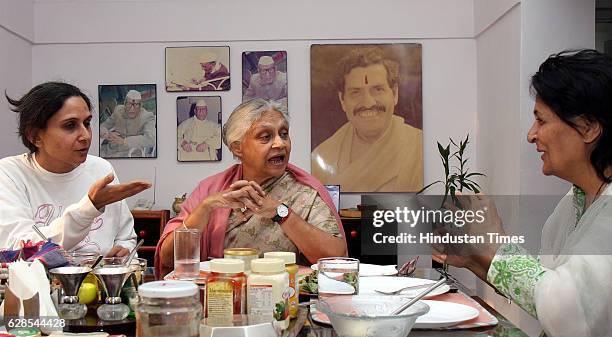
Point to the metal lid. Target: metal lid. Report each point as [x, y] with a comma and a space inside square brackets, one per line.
[268, 265]
[168, 289]
[288, 257]
[227, 266]
[240, 252]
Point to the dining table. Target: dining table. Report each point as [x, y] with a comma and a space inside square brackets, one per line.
[306, 326]
[504, 328]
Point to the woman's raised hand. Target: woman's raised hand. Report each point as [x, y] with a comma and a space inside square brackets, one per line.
[102, 193]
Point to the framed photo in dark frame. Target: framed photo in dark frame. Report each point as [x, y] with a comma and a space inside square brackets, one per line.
[198, 69]
[198, 128]
[128, 120]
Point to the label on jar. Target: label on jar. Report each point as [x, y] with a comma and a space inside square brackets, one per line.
[220, 299]
[260, 299]
[281, 308]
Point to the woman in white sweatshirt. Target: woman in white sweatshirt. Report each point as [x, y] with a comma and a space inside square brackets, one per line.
[71, 196]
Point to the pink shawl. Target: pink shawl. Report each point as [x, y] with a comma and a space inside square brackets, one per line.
[212, 243]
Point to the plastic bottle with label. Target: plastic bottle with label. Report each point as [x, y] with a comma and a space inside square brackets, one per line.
[292, 270]
[268, 291]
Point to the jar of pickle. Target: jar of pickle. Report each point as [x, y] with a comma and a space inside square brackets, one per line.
[292, 270]
[168, 308]
[225, 289]
[244, 254]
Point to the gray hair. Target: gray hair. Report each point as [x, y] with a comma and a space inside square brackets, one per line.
[247, 113]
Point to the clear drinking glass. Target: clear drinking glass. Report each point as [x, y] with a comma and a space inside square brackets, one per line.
[186, 253]
[338, 276]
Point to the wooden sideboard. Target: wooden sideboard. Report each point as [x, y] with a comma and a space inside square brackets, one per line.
[149, 226]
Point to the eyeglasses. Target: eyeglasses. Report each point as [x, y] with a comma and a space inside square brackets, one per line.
[131, 104]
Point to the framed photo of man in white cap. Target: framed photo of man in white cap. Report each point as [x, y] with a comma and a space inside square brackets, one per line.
[264, 75]
[198, 129]
[128, 121]
[197, 69]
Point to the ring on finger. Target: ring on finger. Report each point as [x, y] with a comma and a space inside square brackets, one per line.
[243, 209]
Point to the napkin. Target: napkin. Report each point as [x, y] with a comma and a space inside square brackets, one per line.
[25, 281]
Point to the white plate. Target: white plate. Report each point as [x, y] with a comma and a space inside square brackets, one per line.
[368, 284]
[445, 314]
[366, 269]
[440, 315]
[205, 266]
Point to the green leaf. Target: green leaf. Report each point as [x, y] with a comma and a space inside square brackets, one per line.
[428, 186]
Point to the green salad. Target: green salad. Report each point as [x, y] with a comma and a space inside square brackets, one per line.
[308, 283]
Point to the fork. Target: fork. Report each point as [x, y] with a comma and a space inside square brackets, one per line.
[395, 292]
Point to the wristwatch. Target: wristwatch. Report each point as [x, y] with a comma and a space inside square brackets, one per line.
[282, 213]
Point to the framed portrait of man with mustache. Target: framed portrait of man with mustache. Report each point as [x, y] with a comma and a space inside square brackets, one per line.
[367, 116]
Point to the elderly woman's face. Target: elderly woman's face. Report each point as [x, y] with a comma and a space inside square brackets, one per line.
[266, 146]
[563, 148]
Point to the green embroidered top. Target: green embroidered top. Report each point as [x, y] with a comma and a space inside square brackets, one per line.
[515, 273]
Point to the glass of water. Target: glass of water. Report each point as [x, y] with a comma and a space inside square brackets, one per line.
[338, 276]
[186, 253]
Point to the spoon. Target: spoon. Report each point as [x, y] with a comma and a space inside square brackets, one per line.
[418, 297]
[98, 259]
[39, 232]
[128, 260]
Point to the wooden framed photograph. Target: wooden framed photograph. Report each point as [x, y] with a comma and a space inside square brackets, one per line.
[128, 120]
[264, 75]
[198, 69]
[366, 113]
[198, 128]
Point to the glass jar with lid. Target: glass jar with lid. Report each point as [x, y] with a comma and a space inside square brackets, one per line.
[244, 254]
[168, 308]
[225, 289]
[292, 270]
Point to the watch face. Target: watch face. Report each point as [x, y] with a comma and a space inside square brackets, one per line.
[282, 210]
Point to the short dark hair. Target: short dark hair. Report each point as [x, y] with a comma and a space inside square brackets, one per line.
[363, 57]
[39, 104]
[578, 83]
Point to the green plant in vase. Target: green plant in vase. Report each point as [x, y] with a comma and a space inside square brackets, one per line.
[457, 176]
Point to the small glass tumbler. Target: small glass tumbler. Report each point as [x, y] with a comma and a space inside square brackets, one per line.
[338, 276]
[186, 253]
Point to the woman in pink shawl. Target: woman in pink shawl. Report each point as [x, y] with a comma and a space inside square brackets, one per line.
[264, 202]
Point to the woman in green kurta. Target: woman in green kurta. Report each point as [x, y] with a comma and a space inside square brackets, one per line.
[567, 287]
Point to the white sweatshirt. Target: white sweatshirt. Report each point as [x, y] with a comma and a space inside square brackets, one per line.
[58, 204]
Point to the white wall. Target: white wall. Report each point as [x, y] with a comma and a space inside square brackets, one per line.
[16, 32]
[17, 16]
[84, 21]
[547, 27]
[499, 134]
[73, 55]
[487, 12]
[88, 65]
